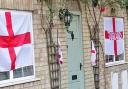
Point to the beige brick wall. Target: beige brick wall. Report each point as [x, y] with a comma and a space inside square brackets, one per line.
[17, 4]
[40, 44]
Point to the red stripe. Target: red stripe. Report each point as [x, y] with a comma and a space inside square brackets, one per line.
[12, 56]
[18, 40]
[9, 24]
[115, 42]
[11, 35]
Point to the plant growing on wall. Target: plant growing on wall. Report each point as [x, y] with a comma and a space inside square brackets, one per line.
[47, 26]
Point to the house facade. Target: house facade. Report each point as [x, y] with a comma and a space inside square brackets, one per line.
[76, 71]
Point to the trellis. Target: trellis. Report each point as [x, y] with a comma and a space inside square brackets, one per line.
[54, 67]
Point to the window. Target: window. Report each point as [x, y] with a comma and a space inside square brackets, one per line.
[114, 39]
[17, 53]
[114, 80]
[124, 79]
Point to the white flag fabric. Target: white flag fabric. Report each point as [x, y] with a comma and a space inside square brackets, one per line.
[59, 52]
[114, 80]
[93, 54]
[114, 28]
[16, 48]
[124, 78]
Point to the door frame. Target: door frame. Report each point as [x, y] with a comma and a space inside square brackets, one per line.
[78, 13]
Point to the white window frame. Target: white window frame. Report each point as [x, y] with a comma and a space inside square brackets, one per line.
[123, 77]
[113, 85]
[114, 61]
[12, 80]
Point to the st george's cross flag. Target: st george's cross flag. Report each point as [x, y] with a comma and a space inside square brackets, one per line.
[59, 52]
[93, 54]
[114, 28]
[16, 48]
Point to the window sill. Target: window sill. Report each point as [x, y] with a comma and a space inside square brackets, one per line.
[115, 64]
[19, 82]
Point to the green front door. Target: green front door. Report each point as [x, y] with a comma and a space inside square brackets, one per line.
[75, 55]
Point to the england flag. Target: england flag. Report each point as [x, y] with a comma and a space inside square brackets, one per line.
[93, 54]
[59, 52]
[16, 47]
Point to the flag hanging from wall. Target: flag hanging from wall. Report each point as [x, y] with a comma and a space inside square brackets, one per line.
[59, 52]
[93, 54]
[114, 40]
[16, 48]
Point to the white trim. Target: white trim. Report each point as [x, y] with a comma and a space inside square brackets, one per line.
[115, 63]
[16, 80]
[20, 81]
[11, 75]
[32, 36]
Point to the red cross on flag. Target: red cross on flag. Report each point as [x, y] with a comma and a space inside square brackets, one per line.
[114, 40]
[16, 48]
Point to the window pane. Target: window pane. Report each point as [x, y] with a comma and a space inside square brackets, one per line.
[23, 72]
[28, 70]
[4, 75]
[120, 57]
[17, 73]
[109, 58]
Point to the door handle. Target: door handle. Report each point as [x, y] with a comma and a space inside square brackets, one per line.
[81, 66]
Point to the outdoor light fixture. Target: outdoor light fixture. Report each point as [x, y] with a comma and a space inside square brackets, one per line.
[66, 17]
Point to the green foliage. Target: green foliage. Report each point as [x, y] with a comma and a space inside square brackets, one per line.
[126, 2]
[121, 3]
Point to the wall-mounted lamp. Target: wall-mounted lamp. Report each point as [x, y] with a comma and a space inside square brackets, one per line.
[66, 17]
